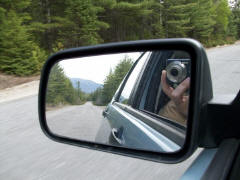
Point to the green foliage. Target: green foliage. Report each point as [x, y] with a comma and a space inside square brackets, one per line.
[127, 20]
[19, 55]
[16, 5]
[32, 29]
[156, 19]
[177, 17]
[202, 20]
[222, 14]
[102, 96]
[236, 18]
[221, 18]
[60, 90]
[96, 97]
[232, 29]
[84, 25]
[72, 22]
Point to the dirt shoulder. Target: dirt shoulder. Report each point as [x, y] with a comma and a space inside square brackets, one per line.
[19, 91]
[221, 46]
[8, 81]
[13, 87]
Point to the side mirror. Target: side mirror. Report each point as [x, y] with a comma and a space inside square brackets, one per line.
[138, 98]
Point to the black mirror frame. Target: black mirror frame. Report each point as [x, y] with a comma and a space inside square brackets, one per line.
[201, 93]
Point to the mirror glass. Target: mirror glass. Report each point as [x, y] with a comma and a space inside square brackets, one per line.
[136, 100]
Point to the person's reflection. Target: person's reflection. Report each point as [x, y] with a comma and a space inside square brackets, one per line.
[177, 108]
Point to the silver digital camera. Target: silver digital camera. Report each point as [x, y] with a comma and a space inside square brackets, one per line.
[177, 71]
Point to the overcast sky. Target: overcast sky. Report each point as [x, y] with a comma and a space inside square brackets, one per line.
[94, 68]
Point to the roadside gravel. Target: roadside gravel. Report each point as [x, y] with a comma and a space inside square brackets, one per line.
[19, 91]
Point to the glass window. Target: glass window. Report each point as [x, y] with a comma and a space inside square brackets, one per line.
[126, 92]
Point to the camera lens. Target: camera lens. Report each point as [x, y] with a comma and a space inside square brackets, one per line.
[174, 72]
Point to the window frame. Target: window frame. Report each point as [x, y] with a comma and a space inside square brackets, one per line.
[140, 92]
[137, 90]
[122, 85]
[171, 130]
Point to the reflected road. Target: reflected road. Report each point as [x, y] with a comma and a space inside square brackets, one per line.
[79, 121]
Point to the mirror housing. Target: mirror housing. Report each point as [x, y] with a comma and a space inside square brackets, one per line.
[201, 93]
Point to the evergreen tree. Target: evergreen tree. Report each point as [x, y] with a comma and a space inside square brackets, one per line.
[236, 17]
[157, 20]
[60, 89]
[177, 18]
[82, 24]
[19, 55]
[47, 21]
[221, 20]
[232, 32]
[114, 79]
[108, 88]
[202, 20]
[31, 28]
[128, 20]
[96, 96]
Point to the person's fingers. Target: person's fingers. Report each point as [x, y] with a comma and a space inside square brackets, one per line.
[178, 93]
[165, 86]
[183, 106]
[185, 98]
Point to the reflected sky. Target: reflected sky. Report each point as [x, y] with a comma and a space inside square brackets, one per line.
[94, 68]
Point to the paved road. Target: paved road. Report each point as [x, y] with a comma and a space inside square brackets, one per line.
[26, 153]
[225, 68]
[79, 121]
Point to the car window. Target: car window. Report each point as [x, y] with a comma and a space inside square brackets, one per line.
[146, 93]
[153, 98]
[142, 96]
[131, 81]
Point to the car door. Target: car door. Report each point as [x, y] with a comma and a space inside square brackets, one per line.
[133, 122]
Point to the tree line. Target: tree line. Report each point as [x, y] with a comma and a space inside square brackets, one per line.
[103, 95]
[60, 90]
[30, 30]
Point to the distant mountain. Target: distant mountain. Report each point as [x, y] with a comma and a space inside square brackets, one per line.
[86, 86]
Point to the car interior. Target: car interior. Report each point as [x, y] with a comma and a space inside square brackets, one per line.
[152, 97]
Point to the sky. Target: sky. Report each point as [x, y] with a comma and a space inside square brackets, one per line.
[94, 68]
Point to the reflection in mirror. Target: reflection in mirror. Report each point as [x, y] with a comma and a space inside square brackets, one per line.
[148, 112]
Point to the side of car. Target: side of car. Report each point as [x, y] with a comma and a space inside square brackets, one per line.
[132, 114]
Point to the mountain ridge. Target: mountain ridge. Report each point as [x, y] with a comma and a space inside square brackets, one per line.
[87, 86]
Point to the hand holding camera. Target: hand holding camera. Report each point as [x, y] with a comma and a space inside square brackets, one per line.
[177, 94]
[177, 71]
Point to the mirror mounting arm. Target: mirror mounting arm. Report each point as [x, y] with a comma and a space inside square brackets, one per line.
[219, 121]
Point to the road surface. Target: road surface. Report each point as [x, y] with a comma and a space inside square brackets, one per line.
[78, 121]
[225, 68]
[26, 153]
